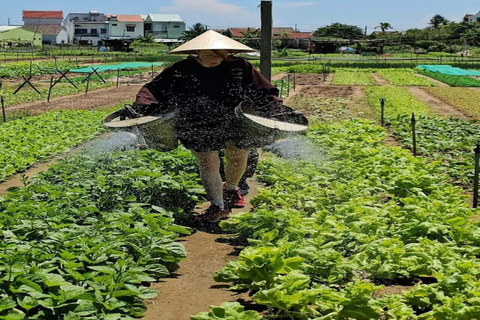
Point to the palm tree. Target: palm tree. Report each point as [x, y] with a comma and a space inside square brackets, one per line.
[437, 21]
[384, 26]
[195, 30]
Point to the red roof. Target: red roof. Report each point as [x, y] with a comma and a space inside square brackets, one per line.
[239, 32]
[127, 17]
[299, 35]
[26, 14]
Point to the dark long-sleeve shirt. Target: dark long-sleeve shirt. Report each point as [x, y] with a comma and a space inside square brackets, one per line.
[206, 97]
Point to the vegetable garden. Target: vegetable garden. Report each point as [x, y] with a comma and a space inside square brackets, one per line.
[348, 224]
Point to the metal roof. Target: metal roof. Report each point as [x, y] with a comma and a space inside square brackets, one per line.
[8, 28]
[164, 17]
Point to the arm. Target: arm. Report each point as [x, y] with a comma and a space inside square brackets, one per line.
[156, 96]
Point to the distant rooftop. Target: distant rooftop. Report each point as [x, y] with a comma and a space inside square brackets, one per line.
[8, 28]
[27, 14]
[158, 17]
[126, 17]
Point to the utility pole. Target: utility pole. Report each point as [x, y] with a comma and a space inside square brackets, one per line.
[266, 39]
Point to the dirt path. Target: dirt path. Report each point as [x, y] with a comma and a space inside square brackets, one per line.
[94, 99]
[438, 106]
[193, 289]
[380, 80]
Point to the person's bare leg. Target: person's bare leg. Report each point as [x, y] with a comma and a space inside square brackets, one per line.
[236, 164]
[209, 165]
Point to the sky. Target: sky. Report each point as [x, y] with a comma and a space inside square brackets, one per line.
[305, 15]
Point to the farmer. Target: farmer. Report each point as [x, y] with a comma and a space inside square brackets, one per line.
[205, 88]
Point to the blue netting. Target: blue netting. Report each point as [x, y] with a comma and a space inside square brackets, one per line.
[121, 66]
[446, 69]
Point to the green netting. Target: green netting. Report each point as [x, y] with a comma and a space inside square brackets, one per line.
[121, 66]
[446, 69]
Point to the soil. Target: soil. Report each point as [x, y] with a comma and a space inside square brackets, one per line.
[304, 79]
[389, 290]
[93, 100]
[380, 80]
[193, 281]
[330, 91]
[436, 105]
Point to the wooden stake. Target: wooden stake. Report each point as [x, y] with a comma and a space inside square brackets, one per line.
[2, 100]
[266, 39]
[50, 89]
[475, 180]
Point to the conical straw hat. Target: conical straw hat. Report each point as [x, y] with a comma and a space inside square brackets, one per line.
[211, 40]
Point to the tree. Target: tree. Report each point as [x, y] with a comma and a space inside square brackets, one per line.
[339, 30]
[148, 38]
[194, 31]
[251, 38]
[437, 21]
[384, 26]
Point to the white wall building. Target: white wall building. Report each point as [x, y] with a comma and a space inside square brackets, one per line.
[125, 26]
[164, 27]
[86, 28]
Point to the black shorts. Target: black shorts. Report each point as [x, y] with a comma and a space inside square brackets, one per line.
[200, 140]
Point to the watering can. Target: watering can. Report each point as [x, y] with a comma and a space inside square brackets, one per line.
[158, 131]
[155, 131]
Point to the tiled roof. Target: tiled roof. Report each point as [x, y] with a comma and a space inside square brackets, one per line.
[127, 17]
[26, 14]
[46, 29]
[239, 32]
[299, 35]
[280, 30]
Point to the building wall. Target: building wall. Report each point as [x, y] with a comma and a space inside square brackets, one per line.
[62, 37]
[167, 30]
[22, 35]
[85, 21]
[42, 21]
[175, 29]
[119, 29]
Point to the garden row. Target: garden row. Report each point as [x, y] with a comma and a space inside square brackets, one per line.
[84, 239]
[28, 140]
[397, 76]
[331, 236]
[450, 141]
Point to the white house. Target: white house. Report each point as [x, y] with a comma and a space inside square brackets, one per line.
[472, 17]
[86, 28]
[164, 27]
[125, 26]
[42, 17]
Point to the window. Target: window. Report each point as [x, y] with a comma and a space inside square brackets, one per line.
[130, 28]
[176, 27]
[114, 24]
[81, 31]
[103, 31]
[94, 31]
